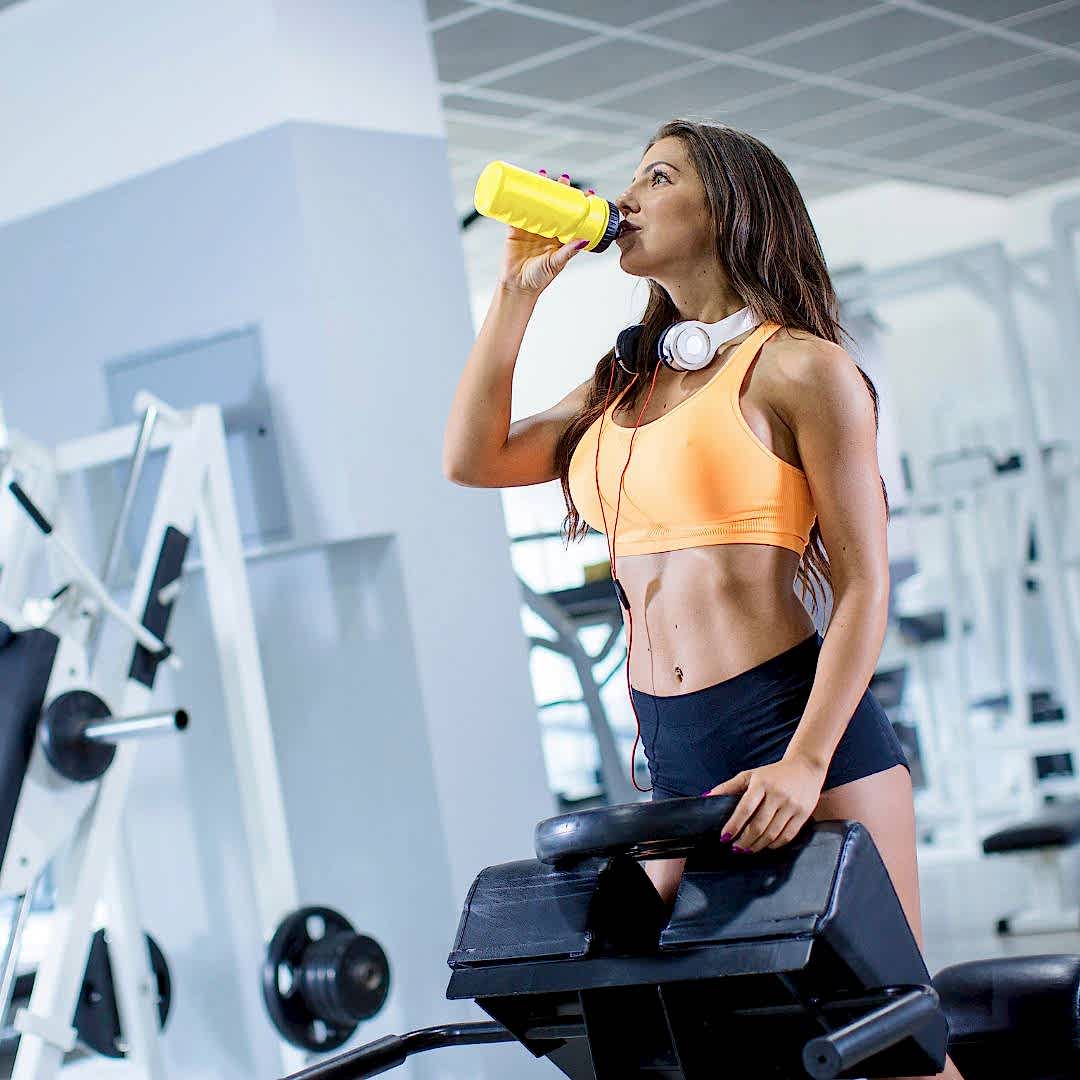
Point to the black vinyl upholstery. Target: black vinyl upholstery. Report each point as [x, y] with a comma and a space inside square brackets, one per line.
[1055, 827]
[26, 660]
[1014, 1016]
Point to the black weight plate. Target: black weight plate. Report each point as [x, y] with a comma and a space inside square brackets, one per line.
[288, 1009]
[62, 725]
[645, 830]
[97, 1020]
[345, 977]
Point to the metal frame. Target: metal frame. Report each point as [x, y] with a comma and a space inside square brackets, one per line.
[617, 785]
[195, 493]
[991, 276]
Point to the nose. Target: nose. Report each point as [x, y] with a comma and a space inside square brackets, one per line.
[624, 205]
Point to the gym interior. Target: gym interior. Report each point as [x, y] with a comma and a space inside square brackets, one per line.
[317, 759]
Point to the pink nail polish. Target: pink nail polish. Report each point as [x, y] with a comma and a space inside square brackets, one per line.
[566, 176]
[725, 837]
[739, 850]
[542, 172]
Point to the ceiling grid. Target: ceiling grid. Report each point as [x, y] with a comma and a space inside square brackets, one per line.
[836, 81]
[978, 95]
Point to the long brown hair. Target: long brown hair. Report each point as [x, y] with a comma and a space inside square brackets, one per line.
[767, 245]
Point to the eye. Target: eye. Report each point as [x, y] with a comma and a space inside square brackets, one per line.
[658, 172]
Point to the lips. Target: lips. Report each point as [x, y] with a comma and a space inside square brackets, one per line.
[625, 229]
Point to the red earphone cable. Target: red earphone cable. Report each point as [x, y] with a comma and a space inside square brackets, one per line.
[611, 544]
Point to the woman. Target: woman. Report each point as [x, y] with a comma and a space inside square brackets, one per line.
[771, 462]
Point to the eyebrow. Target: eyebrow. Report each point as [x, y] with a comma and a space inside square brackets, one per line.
[668, 163]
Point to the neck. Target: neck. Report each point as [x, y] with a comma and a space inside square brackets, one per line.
[707, 296]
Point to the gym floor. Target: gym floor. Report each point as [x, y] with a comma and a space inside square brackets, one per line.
[961, 902]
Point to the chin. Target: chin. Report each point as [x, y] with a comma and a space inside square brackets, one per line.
[632, 266]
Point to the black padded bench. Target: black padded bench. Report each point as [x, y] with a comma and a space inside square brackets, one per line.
[1050, 836]
[1014, 1016]
[791, 963]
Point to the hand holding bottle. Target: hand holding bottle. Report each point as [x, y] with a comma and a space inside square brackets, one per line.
[532, 262]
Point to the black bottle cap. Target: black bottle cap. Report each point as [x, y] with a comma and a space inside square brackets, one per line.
[611, 230]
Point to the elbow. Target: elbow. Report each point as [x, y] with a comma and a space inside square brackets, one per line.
[452, 472]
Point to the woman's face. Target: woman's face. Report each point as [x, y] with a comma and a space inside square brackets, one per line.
[666, 201]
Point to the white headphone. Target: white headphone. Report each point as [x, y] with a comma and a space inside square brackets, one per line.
[684, 346]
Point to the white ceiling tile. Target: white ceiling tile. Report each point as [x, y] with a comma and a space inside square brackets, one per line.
[1055, 110]
[986, 88]
[488, 108]
[810, 103]
[569, 156]
[1070, 123]
[820, 189]
[1044, 179]
[470, 48]
[1031, 167]
[437, 9]
[574, 122]
[972, 54]
[867, 123]
[741, 24]
[904, 147]
[484, 136]
[989, 10]
[614, 12]
[700, 92]
[591, 72]
[861, 41]
[1058, 27]
[971, 160]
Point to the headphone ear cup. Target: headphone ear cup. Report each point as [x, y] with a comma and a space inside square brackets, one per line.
[663, 347]
[626, 348]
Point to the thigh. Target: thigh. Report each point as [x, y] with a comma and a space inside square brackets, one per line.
[665, 874]
[884, 803]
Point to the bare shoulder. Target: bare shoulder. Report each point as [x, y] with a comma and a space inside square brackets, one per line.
[798, 355]
[800, 370]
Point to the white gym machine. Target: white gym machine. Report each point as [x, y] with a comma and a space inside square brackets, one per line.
[1025, 499]
[76, 824]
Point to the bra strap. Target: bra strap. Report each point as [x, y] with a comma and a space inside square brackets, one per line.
[750, 347]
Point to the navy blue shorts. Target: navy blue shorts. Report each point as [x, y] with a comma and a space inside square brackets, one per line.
[697, 740]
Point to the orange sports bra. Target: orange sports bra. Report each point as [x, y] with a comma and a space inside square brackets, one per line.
[698, 474]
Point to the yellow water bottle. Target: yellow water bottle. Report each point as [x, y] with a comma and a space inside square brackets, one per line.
[545, 207]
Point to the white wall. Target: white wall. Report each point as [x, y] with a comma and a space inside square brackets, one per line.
[151, 84]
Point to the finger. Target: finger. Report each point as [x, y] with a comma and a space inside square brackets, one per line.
[758, 825]
[734, 786]
[791, 830]
[773, 830]
[743, 812]
[561, 256]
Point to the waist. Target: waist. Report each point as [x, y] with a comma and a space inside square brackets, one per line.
[788, 671]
